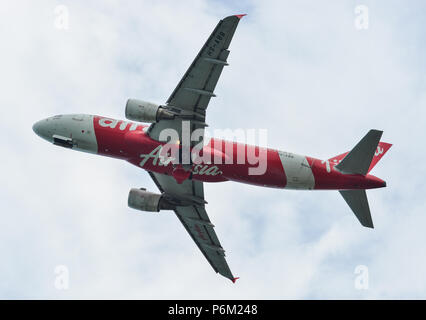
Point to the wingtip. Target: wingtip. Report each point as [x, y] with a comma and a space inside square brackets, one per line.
[234, 279]
[239, 16]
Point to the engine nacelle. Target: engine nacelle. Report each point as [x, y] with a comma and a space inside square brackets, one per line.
[143, 111]
[143, 200]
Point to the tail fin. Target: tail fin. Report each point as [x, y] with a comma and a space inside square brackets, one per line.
[382, 148]
[357, 201]
[364, 156]
[360, 160]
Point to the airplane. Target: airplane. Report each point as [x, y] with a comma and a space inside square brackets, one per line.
[180, 177]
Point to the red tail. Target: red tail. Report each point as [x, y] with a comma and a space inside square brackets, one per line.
[382, 148]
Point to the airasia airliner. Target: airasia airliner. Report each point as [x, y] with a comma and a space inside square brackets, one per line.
[179, 164]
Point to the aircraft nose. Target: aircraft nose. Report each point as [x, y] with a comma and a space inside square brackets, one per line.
[40, 128]
[36, 127]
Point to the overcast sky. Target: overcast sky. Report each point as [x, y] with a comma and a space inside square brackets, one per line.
[300, 69]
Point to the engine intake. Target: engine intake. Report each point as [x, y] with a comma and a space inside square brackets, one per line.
[143, 111]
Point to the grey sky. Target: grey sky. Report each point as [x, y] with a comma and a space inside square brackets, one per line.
[299, 69]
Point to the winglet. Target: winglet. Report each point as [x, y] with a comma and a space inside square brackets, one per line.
[239, 16]
[234, 279]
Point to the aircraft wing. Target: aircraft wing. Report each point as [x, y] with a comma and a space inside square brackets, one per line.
[195, 220]
[192, 94]
[189, 102]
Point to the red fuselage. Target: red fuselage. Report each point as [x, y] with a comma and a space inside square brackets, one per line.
[128, 141]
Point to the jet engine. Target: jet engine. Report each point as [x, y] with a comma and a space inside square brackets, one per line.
[143, 111]
[143, 200]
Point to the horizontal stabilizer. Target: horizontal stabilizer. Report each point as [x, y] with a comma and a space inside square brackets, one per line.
[357, 201]
[358, 160]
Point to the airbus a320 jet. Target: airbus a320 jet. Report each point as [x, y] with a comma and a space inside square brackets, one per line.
[180, 180]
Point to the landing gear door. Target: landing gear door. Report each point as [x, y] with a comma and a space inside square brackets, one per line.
[62, 141]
